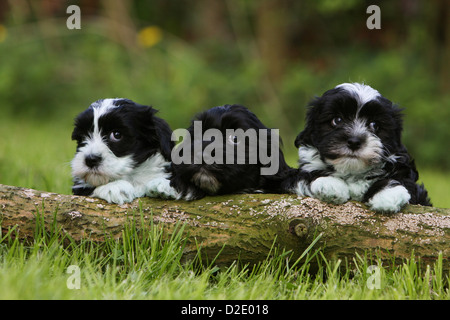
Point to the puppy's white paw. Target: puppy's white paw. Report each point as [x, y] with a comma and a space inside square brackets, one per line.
[119, 192]
[390, 199]
[330, 189]
[160, 188]
[302, 189]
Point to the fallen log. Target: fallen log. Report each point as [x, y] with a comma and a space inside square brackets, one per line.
[243, 227]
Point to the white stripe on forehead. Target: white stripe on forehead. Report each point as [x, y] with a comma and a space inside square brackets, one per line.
[100, 108]
[358, 128]
[361, 92]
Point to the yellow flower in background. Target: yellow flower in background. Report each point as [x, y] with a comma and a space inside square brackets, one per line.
[3, 33]
[149, 36]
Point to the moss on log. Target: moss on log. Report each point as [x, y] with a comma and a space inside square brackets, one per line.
[242, 227]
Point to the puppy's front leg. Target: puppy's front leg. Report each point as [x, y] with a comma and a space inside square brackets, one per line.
[330, 189]
[119, 192]
[161, 188]
[81, 188]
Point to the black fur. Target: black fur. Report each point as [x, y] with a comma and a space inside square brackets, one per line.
[329, 123]
[228, 178]
[142, 134]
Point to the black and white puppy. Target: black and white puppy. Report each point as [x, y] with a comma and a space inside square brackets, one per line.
[236, 163]
[351, 149]
[121, 147]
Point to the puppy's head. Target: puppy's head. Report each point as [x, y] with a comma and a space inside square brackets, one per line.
[224, 156]
[113, 137]
[353, 128]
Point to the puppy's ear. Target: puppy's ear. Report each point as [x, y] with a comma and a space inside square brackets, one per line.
[83, 124]
[404, 165]
[75, 134]
[305, 137]
[300, 139]
[164, 134]
[155, 130]
[398, 118]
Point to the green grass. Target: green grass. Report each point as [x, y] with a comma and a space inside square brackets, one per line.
[142, 266]
[36, 154]
[438, 186]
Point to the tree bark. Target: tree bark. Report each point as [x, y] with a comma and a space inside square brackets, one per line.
[243, 227]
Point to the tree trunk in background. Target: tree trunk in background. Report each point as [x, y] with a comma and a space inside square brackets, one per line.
[120, 23]
[241, 227]
[210, 21]
[271, 32]
[438, 40]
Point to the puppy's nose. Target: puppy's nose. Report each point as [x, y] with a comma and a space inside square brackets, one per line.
[92, 160]
[354, 143]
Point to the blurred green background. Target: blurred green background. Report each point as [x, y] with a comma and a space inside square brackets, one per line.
[186, 56]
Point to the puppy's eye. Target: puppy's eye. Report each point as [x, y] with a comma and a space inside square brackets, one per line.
[373, 126]
[233, 139]
[336, 122]
[115, 136]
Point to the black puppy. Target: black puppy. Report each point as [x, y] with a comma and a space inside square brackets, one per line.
[226, 150]
[351, 149]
